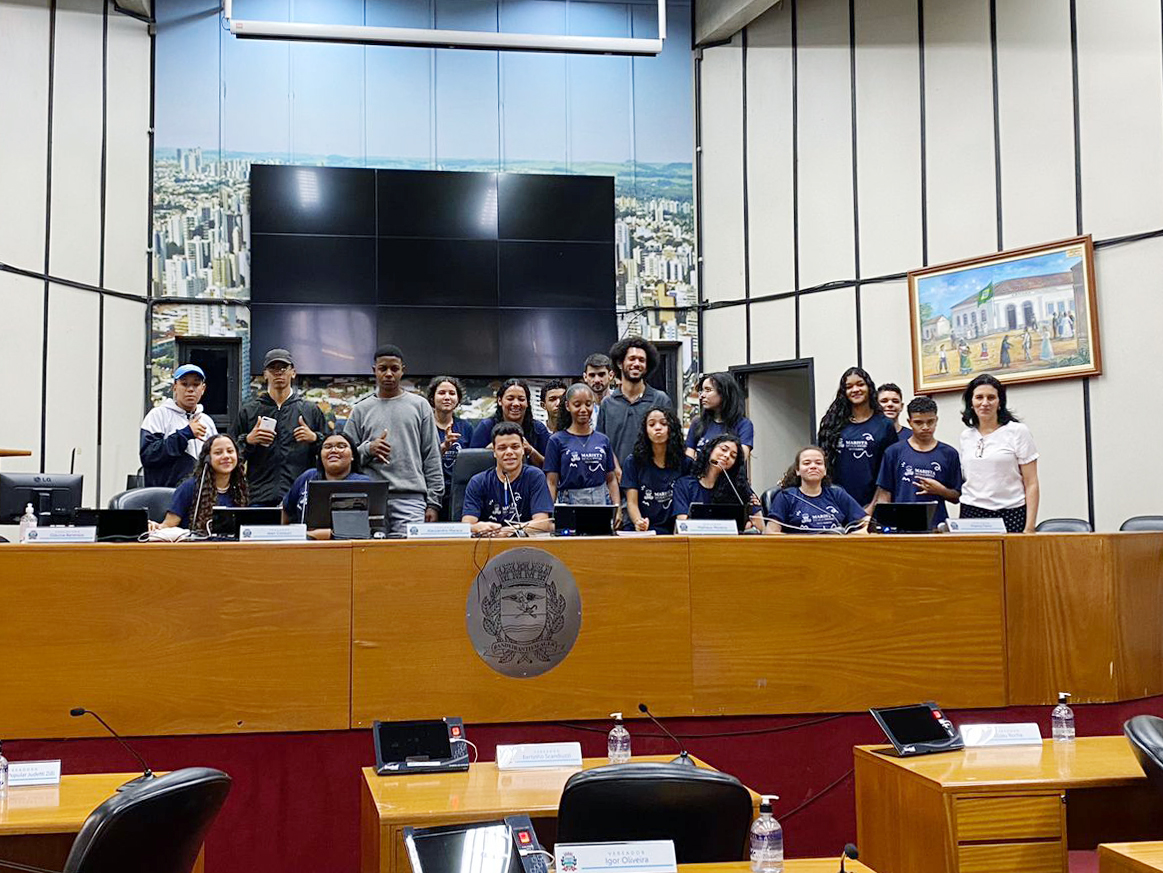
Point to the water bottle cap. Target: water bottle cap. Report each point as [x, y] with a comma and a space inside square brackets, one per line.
[616, 716]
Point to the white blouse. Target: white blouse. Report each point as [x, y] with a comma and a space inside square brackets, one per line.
[990, 466]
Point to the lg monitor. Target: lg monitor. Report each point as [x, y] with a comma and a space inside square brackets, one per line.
[54, 496]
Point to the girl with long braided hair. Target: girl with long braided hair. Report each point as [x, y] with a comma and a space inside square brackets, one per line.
[217, 480]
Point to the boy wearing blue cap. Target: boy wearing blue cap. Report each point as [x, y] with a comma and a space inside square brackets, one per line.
[174, 431]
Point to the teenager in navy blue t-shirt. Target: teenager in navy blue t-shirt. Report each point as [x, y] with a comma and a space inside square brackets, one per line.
[217, 480]
[513, 405]
[855, 435]
[338, 460]
[649, 472]
[512, 495]
[445, 394]
[579, 463]
[892, 404]
[921, 469]
[808, 502]
[722, 412]
[717, 476]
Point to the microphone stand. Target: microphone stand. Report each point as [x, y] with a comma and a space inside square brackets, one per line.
[684, 757]
[145, 777]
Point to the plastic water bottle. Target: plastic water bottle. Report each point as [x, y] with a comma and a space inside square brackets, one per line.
[27, 522]
[766, 840]
[3, 773]
[618, 742]
[1062, 720]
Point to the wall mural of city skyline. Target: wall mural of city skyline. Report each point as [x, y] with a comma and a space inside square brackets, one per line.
[223, 104]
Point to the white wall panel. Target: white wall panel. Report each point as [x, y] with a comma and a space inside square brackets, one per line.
[1121, 126]
[888, 146]
[1035, 108]
[22, 302]
[1131, 310]
[722, 187]
[71, 407]
[773, 331]
[959, 130]
[828, 334]
[23, 137]
[76, 155]
[1053, 412]
[724, 332]
[122, 393]
[884, 328]
[825, 143]
[769, 154]
[127, 163]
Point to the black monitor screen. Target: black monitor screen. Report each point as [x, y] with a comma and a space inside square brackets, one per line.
[913, 724]
[322, 200]
[481, 849]
[324, 340]
[400, 740]
[540, 274]
[444, 205]
[556, 207]
[51, 494]
[548, 342]
[312, 269]
[438, 272]
[448, 339]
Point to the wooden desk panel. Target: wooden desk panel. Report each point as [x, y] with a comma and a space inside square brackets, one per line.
[175, 639]
[816, 624]
[1084, 614]
[411, 655]
[791, 865]
[1131, 858]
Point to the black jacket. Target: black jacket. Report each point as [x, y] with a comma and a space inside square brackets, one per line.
[270, 470]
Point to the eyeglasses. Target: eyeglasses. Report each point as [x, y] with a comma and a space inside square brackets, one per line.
[980, 447]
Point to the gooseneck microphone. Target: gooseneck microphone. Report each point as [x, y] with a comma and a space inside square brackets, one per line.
[849, 852]
[147, 774]
[683, 755]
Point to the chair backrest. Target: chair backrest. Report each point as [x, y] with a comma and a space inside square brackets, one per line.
[158, 827]
[767, 499]
[1064, 525]
[705, 812]
[1143, 522]
[468, 463]
[155, 500]
[1145, 733]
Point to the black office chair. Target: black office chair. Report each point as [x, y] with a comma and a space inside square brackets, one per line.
[158, 827]
[1145, 733]
[767, 499]
[468, 463]
[1143, 522]
[1064, 525]
[155, 500]
[705, 812]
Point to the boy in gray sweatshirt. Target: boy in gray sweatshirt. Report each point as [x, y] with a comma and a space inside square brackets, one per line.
[396, 435]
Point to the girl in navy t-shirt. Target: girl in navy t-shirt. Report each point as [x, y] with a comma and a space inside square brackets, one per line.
[217, 480]
[445, 394]
[717, 476]
[855, 435]
[722, 412]
[650, 471]
[809, 502]
[513, 405]
[579, 462]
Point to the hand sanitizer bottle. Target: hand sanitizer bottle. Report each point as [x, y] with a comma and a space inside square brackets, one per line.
[766, 840]
[1062, 720]
[27, 522]
[618, 742]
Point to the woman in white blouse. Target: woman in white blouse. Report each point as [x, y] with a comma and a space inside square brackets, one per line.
[998, 459]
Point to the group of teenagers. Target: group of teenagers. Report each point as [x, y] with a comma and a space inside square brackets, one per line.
[611, 439]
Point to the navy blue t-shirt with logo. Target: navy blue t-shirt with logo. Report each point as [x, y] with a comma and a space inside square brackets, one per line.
[743, 429]
[655, 487]
[579, 461]
[903, 466]
[832, 508]
[487, 499]
[861, 448]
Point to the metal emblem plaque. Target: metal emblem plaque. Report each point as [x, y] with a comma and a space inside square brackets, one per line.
[523, 612]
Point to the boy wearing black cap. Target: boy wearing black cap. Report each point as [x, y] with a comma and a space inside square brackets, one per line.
[173, 432]
[279, 432]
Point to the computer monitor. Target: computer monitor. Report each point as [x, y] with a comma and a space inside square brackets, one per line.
[321, 491]
[54, 496]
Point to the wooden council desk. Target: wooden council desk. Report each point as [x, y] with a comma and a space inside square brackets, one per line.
[792, 865]
[39, 823]
[1002, 808]
[388, 804]
[1130, 858]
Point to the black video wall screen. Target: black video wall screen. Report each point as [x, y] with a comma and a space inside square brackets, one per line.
[476, 274]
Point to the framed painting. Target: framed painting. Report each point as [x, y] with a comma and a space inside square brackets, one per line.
[1022, 316]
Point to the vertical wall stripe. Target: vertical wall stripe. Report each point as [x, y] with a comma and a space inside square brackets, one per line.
[746, 208]
[147, 362]
[855, 178]
[698, 85]
[52, 42]
[101, 234]
[795, 169]
[996, 120]
[924, 159]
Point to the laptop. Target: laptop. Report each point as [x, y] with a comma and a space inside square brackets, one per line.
[114, 525]
[227, 520]
[575, 520]
[736, 512]
[904, 517]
